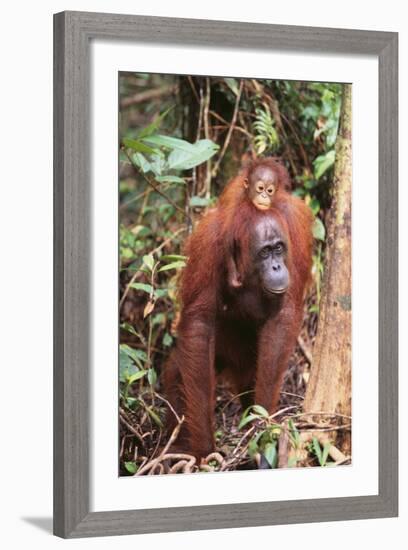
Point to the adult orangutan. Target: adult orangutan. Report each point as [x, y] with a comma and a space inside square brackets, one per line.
[242, 295]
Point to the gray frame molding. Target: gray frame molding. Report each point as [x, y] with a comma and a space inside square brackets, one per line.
[72, 34]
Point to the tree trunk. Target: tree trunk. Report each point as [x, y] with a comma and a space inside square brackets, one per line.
[329, 387]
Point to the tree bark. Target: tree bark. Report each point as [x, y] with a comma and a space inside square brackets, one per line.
[329, 387]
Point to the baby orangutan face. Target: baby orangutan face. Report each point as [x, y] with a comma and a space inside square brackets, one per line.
[261, 185]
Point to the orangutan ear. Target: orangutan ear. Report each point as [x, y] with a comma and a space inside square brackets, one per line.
[246, 184]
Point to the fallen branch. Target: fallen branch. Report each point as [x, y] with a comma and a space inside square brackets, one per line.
[148, 95]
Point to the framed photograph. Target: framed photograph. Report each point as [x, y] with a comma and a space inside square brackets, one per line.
[225, 288]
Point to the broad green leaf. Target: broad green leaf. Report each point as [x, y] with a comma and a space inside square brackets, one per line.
[169, 143]
[137, 376]
[253, 444]
[174, 265]
[143, 286]
[152, 376]
[159, 165]
[232, 85]
[126, 366]
[199, 152]
[137, 146]
[137, 355]
[271, 455]
[148, 261]
[314, 205]
[199, 201]
[317, 450]
[167, 340]
[247, 420]
[258, 409]
[130, 467]
[141, 162]
[319, 231]
[323, 162]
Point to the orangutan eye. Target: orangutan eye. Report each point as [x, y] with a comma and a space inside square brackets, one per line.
[279, 248]
[271, 190]
[260, 188]
[265, 252]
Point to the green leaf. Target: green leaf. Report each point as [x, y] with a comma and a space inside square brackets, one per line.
[317, 450]
[161, 292]
[258, 409]
[126, 366]
[199, 201]
[141, 162]
[169, 142]
[314, 206]
[152, 376]
[137, 146]
[167, 340]
[155, 417]
[271, 455]
[323, 162]
[159, 319]
[148, 261]
[325, 452]
[137, 376]
[131, 402]
[173, 257]
[174, 265]
[199, 152]
[130, 467]
[247, 420]
[319, 231]
[294, 434]
[142, 286]
[137, 355]
[232, 85]
[128, 327]
[148, 130]
[253, 444]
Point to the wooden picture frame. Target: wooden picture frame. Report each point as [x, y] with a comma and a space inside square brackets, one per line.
[72, 34]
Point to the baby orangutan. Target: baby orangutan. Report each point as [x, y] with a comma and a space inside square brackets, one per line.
[262, 182]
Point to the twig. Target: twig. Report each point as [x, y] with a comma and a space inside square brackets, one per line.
[230, 130]
[226, 124]
[147, 96]
[320, 413]
[305, 349]
[283, 451]
[131, 428]
[236, 397]
[170, 406]
[171, 440]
